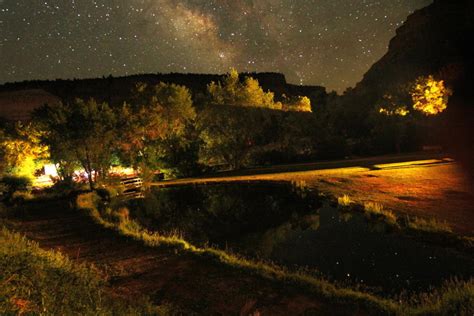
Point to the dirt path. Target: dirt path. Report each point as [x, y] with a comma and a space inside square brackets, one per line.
[187, 281]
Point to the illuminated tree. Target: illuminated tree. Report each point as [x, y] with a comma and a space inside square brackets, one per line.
[237, 127]
[232, 124]
[430, 96]
[391, 120]
[21, 151]
[297, 104]
[235, 93]
[83, 132]
[155, 127]
[392, 106]
[395, 123]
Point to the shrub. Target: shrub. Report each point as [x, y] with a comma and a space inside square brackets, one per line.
[65, 187]
[371, 209]
[344, 200]
[21, 196]
[88, 201]
[14, 183]
[429, 225]
[14, 189]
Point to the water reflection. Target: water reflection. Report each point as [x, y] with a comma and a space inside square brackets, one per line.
[284, 224]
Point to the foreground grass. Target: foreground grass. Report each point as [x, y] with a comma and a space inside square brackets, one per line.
[429, 225]
[456, 298]
[38, 282]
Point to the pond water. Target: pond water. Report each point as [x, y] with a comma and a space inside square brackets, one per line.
[293, 227]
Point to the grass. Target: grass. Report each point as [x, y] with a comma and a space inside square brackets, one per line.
[38, 282]
[344, 200]
[457, 297]
[372, 210]
[454, 298]
[377, 210]
[427, 230]
[429, 225]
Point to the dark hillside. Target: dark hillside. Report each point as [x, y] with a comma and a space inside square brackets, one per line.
[117, 89]
[435, 40]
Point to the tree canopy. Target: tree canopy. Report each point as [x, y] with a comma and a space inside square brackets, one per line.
[154, 126]
[430, 96]
[21, 150]
[83, 131]
[231, 91]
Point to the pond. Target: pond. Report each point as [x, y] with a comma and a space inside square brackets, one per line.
[293, 227]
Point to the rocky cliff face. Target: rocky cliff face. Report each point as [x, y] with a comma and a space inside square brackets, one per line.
[435, 40]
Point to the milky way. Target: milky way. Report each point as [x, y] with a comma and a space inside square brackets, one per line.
[319, 42]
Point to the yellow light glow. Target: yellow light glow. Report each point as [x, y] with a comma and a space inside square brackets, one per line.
[413, 163]
[400, 111]
[430, 96]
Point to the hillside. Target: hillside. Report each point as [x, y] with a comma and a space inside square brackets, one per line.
[433, 41]
[17, 105]
[116, 90]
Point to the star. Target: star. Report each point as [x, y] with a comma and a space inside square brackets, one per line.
[315, 42]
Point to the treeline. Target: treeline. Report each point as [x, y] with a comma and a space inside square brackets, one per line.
[235, 124]
[116, 90]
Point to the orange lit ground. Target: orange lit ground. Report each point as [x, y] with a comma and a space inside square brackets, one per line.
[426, 188]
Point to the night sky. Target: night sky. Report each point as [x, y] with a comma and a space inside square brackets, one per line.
[318, 42]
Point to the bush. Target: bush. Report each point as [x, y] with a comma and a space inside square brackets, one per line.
[429, 225]
[333, 147]
[376, 209]
[14, 183]
[88, 201]
[14, 189]
[344, 200]
[104, 194]
[21, 196]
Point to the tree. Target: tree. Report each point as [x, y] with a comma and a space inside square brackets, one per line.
[297, 104]
[155, 126]
[233, 122]
[21, 151]
[238, 127]
[232, 92]
[83, 131]
[430, 96]
[395, 124]
[391, 118]
[230, 134]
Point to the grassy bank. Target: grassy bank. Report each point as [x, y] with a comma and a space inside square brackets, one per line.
[38, 282]
[428, 230]
[455, 298]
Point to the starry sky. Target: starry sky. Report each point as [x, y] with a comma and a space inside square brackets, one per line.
[315, 42]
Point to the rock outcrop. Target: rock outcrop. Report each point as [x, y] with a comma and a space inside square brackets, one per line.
[435, 40]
